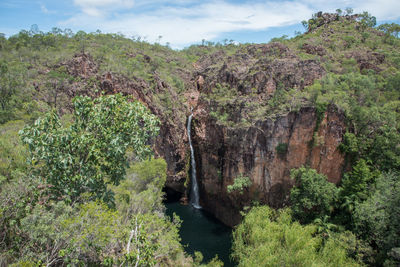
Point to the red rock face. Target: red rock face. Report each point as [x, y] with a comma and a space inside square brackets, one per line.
[222, 154]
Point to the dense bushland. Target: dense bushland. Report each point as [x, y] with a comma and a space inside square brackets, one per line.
[73, 186]
[77, 199]
[360, 216]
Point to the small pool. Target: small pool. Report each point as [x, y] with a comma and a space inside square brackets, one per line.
[200, 231]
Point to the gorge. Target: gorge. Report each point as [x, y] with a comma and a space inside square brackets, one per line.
[222, 152]
[258, 147]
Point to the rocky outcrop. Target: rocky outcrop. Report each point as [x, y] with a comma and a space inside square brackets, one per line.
[314, 49]
[254, 73]
[82, 65]
[320, 19]
[367, 59]
[261, 67]
[225, 153]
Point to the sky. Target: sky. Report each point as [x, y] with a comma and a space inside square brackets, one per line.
[182, 22]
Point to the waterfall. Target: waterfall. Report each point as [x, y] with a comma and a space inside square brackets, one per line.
[194, 194]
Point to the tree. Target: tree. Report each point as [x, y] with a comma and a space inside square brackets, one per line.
[313, 196]
[391, 31]
[380, 215]
[357, 183]
[349, 11]
[239, 184]
[271, 238]
[90, 153]
[56, 84]
[367, 20]
[141, 191]
[8, 84]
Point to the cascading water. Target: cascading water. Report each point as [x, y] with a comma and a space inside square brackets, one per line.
[194, 195]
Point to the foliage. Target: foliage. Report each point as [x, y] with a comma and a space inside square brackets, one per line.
[239, 184]
[91, 152]
[38, 231]
[17, 198]
[313, 196]
[358, 182]
[271, 238]
[356, 248]
[366, 20]
[391, 31]
[361, 80]
[141, 191]
[281, 149]
[12, 92]
[12, 153]
[380, 214]
[8, 84]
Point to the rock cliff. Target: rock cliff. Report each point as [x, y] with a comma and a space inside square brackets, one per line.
[236, 129]
[225, 153]
[237, 132]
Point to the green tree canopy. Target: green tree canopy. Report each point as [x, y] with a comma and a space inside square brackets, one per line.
[378, 218]
[313, 196]
[91, 152]
[270, 238]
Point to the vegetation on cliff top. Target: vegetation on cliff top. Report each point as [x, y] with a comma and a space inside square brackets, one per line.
[58, 209]
[361, 79]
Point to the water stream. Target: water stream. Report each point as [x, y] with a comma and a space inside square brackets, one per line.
[200, 231]
[194, 194]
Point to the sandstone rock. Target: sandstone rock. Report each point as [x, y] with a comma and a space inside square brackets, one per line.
[314, 49]
[222, 154]
[367, 59]
[82, 65]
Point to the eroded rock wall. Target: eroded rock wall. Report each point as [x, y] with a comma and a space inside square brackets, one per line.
[224, 153]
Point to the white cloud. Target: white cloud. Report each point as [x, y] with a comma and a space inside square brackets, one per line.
[44, 9]
[184, 22]
[101, 7]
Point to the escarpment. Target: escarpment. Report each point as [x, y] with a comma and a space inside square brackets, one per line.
[237, 132]
[248, 121]
[226, 153]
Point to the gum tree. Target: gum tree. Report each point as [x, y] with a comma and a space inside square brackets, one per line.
[91, 152]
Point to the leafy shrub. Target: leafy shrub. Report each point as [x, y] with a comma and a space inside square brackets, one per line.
[271, 238]
[313, 196]
[239, 184]
[379, 215]
[91, 152]
[282, 149]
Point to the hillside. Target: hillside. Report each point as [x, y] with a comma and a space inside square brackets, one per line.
[328, 99]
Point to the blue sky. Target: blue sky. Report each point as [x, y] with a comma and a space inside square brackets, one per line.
[181, 22]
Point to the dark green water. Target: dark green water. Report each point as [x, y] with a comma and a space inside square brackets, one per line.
[200, 231]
